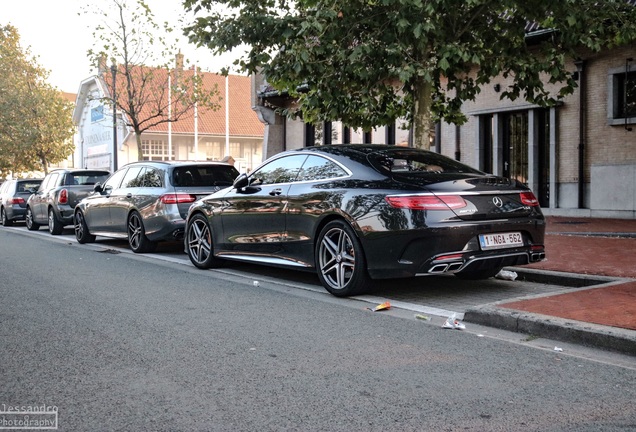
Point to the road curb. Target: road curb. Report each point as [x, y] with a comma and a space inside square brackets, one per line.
[582, 333]
[561, 329]
[553, 277]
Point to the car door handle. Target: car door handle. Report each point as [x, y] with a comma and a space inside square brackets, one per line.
[276, 192]
[128, 195]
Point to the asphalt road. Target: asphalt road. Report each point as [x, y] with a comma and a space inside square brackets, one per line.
[118, 341]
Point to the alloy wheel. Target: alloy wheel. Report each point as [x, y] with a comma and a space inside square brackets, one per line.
[135, 231]
[81, 229]
[5, 221]
[199, 241]
[336, 258]
[31, 224]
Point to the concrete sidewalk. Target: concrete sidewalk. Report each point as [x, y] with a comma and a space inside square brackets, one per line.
[601, 255]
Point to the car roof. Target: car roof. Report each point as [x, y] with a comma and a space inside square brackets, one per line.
[78, 170]
[176, 163]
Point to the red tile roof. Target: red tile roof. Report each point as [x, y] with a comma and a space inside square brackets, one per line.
[243, 120]
[70, 97]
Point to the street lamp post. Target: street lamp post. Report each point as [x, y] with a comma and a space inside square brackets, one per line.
[113, 71]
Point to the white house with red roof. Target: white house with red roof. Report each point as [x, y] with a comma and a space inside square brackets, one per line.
[233, 131]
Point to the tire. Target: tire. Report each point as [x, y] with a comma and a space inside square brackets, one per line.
[478, 274]
[5, 222]
[198, 243]
[55, 226]
[137, 239]
[340, 260]
[31, 224]
[81, 229]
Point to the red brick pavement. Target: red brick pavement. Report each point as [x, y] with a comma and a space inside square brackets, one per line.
[588, 246]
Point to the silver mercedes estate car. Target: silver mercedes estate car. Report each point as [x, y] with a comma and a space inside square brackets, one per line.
[147, 201]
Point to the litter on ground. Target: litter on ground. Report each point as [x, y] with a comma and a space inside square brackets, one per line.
[506, 275]
[453, 323]
[380, 307]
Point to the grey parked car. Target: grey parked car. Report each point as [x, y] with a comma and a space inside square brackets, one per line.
[13, 198]
[55, 199]
[147, 201]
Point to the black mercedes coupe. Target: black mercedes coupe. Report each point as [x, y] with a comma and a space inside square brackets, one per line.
[353, 213]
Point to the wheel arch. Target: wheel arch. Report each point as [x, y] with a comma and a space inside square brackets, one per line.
[344, 218]
[339, 216]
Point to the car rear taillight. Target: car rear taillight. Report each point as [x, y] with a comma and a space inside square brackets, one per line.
[177, 198]
[16, 200]
[426, 202]
[528, 198]
[62, 198]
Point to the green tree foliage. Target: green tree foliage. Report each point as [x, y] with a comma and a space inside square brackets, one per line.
[36, 125]
[144, 57]
[368, 62]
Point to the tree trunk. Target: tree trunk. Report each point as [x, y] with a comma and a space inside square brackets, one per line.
[140, 152]
[422, 120]
[45, 165]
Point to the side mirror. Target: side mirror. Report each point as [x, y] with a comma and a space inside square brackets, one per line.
[241, 181]
[98, 187]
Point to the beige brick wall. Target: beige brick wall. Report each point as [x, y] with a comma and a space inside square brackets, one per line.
[604, 144]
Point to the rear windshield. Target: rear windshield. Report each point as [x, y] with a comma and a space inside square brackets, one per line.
[86, 178]
[416, 162]
[204, 175]
[28, 185]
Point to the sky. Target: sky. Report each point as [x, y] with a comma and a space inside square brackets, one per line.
[59, 38]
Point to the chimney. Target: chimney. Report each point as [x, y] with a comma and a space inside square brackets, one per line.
[101, 64]
[179, 62]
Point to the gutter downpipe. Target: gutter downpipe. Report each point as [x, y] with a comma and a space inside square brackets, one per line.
[580, 68]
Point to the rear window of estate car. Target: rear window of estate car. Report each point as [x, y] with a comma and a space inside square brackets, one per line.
[28, 185]
[204, 175]
[86, 178]
[414, 162]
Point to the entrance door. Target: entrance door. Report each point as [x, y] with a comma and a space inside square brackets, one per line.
[515, 146]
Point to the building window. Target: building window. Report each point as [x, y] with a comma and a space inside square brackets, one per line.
[621, 103]
[346, 135]
[627, 94]
[156, 150]
[389, 134]
[328, 135]
[310, 135]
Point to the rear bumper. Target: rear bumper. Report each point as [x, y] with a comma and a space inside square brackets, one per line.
[451, 248]
[475, 262]
[15, 213]
[166, 231]
[65, 214]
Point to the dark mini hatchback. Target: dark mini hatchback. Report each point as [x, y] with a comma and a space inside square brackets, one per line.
[353, 213]
[14, 195]
[147, 201]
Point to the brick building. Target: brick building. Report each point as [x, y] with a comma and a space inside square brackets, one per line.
[579, 157]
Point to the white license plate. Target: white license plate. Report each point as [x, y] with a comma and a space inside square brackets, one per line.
[500, 240]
